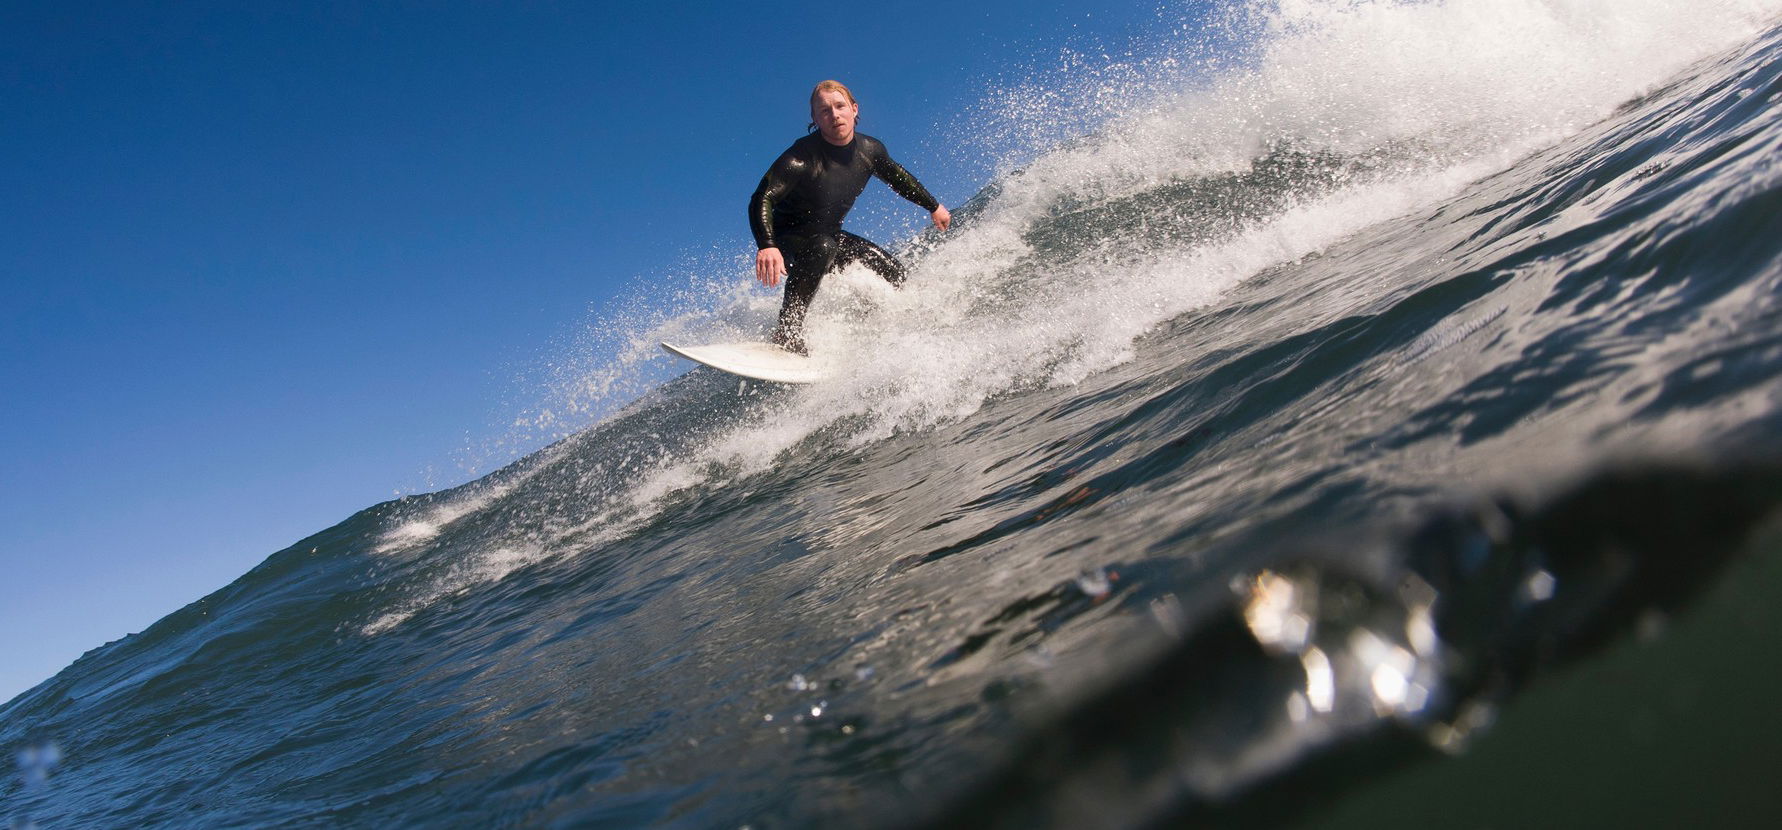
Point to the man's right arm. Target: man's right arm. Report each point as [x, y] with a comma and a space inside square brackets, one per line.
[770, 265]
[771, 189]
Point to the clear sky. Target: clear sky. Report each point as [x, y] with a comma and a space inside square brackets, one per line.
[265, 264]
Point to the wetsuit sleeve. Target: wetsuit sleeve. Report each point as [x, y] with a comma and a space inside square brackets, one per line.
[773, 187]
[892, 173]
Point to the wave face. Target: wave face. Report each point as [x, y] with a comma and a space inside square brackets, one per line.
[1281, 430]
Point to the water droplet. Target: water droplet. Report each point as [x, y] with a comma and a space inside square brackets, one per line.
[1297, 707]
[1320, 680]
[37, 760]
[1166, 610]
[1094, 583]
[1275, 612]
[1539, 586]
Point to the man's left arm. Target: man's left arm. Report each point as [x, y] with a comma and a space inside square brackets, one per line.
[900, 180]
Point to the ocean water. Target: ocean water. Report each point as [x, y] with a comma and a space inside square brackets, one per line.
[1366, 415]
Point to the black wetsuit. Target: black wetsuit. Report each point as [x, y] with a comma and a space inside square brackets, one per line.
[799, 207]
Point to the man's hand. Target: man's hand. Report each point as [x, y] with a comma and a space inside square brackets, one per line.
[941, 217]
[769, 266]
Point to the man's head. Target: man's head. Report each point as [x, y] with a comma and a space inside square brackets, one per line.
[834, 112]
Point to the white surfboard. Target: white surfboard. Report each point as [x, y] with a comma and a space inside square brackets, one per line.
[756, 361]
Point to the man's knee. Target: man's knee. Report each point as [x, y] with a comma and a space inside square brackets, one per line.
[862, 250]
[886, 265]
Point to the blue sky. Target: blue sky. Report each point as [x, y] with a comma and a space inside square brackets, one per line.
[263, 265]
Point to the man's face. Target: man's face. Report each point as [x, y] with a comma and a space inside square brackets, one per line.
[835, 116]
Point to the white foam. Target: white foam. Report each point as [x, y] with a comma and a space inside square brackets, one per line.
[410, 530]
[484, 567]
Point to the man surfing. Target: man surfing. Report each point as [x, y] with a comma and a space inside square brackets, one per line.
[797, 210]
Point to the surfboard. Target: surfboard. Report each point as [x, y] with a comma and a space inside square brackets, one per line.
[756, 361]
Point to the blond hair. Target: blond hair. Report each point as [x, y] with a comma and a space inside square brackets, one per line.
[832, 86]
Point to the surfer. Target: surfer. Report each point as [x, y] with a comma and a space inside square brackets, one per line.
[797, 210]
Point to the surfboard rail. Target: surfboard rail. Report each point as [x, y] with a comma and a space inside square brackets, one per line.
[755, 361]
